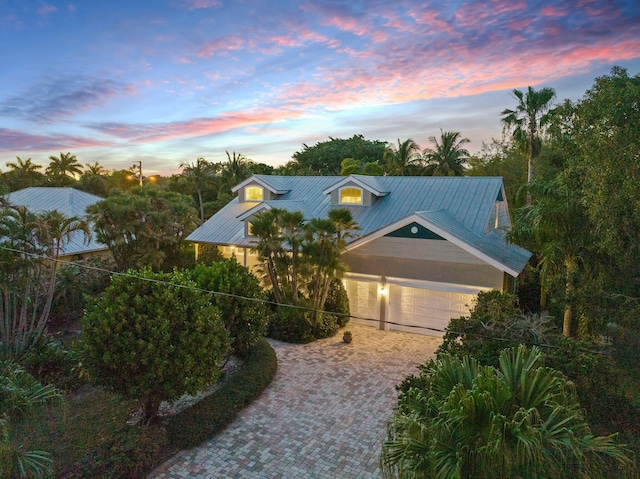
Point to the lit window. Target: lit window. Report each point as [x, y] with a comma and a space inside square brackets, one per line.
[253, 193]
[250, 228]
[351, 196]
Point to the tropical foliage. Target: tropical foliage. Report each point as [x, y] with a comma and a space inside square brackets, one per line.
[153, 337]
[448, 155]
[403, 159]
[459, 419]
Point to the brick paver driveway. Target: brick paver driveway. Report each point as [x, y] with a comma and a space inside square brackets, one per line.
[324, 415]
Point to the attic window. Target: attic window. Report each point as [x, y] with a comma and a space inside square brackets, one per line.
[350, 196]
[253, 193]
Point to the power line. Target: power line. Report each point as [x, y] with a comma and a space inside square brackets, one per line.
[304, 308]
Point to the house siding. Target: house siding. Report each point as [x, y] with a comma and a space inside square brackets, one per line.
[479, 275]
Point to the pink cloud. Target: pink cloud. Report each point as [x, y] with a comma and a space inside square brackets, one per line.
[16, 141]
[221, 46]
[155, 132]
[553, 11]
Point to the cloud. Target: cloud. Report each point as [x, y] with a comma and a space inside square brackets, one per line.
[155, 132]
[54, 99]
[14, 140]
[199, 4]
[45, 9]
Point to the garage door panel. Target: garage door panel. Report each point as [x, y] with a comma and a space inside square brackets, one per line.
[426, 308]
[362, 301]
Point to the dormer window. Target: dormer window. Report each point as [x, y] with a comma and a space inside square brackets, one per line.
[350, 196]
[253, 193]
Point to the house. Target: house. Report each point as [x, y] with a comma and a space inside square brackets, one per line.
[67, 201]
[427, 245]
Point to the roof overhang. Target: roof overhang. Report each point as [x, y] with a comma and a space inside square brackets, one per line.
[261, 182]
[447, 235]
[354, 179]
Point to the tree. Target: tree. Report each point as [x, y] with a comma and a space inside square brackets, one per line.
[404, 159]
[556, 227]
[197, 173]
[459, 419]
[31, 244]
[23, 174]
[448, 156]
[153, 337]
[94, 180]
[245, 319]
[325, 157]
[62, 168]
[145, 227]
[527, 120]
[235, 169]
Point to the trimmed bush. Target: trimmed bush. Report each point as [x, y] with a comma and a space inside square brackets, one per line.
[245, 320]
[212, 414]
[338, 302]
[291, 325]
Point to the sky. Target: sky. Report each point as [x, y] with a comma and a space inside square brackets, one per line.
[168, 81]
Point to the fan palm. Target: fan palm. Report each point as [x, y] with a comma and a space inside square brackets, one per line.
[448, 156]
[521, 420]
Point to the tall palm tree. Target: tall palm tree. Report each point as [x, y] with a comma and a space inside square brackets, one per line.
[403, 159]
[555, 226]
[448, 156]
[198, 173]
[64, 167]
[527, 120]
[467, 421]
[94, 169]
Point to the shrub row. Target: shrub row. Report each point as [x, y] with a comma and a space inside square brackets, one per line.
[212, 414]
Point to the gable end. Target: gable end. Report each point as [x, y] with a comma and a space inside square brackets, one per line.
[414, 230]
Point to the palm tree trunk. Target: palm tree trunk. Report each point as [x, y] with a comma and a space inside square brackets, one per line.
[567, 323]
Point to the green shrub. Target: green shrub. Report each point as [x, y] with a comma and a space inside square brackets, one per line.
[129, 454]
[292, 325]
[338, 302]
[327, 327]
[212, 414]
[245, 320]
[53, 363]
[153, 337]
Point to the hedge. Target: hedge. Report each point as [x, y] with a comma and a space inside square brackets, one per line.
[205, 419]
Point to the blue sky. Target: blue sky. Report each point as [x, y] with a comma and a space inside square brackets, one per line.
[167, 81]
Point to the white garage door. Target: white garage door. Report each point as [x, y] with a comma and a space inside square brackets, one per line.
[363, 301]
[425, 307]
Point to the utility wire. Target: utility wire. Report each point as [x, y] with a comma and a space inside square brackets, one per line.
[304, 308]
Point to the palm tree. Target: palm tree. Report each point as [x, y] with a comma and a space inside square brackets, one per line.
[527, 120]
[235, 169]
[403, 159]
[270, 249]
[64, 167]
[468, 421]
[24, 172]
[198, 173]
[556, 227]
[448, 156]
[94, 169]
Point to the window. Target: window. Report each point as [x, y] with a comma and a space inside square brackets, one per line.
[350, 196]
[250, 228]
[253, 193]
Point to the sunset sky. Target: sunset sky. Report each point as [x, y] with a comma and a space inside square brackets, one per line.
[167, 81]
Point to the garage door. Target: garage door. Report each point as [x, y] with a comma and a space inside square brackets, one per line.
[363, 301]
[425, 307]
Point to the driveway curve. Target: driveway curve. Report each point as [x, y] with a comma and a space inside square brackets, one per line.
[324, 415]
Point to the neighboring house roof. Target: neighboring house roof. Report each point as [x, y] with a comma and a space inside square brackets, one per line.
[67, 201]
[458, 208]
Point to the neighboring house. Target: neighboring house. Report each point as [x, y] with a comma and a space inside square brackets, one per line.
[69, 202]
[427, 245]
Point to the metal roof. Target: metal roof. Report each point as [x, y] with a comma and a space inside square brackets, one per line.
[465, 205]
[67, 201]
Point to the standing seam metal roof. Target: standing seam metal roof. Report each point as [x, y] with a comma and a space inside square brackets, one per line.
[467, 201]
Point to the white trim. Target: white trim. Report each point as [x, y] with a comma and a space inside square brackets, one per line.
[437, 230]
[417, 283]
[253, 211]
[261, 182]
[360, 183]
